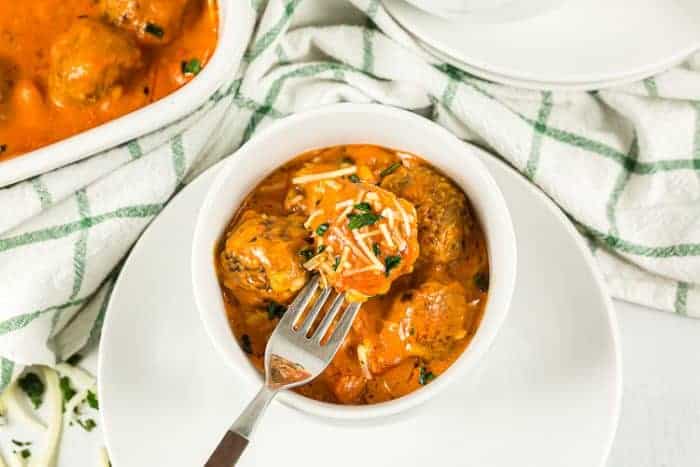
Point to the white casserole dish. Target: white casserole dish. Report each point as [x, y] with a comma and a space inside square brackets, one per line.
[353, 124]
[236, 21]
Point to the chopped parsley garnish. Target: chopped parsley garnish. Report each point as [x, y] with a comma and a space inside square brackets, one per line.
[3, 148]
[322, 229]
[88, 425]
[66, 388]
[275, 310]
[390, 262]
[364, 207]
[307, 253]
[321, 249]
[33, 387]
[191, 67]
[375, 249]
[481, 281]
[25, 453]
[354, 178]
[425, 376]
[74, 359]
[246, 345]
[21, 443]
[389, 170]
[337, 263]
[92, 400]
[154, 30]
[358, 221]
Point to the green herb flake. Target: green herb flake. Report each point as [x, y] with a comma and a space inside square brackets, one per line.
[66, 389]
[74, 359]
[25, 453]
[354, 178]
[321, 249]
[364, 207]
[88, 425]
[33, 387]
[375, 249]
[481, 281]
[92, 400]
[21, 443]
[154, 30]
[425, 376]
[275, 310]
[389, 170]
[246, 344]
[390, 262]
[358, 221]
[191, 67]
[322, 229]
[307, 253]
[337, 263]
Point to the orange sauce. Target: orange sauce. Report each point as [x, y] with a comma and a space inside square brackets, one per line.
[399, 370]
[29, 119]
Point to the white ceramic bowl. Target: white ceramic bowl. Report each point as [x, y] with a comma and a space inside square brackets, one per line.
[486, 11]
[352, 124]
[236, 20]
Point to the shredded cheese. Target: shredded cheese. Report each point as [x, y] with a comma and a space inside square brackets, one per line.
[372, 196]
[371, 233]
[324, 175]
[333, 185]
[311, 217]
[343, 215]
[360, 196]
[347, 242]
[387, 237]
[367, 251]
[371, 267]
[296, 199]
[404, 216]
[344, 204]
[314, 262]
[343, 258]
[389, 214]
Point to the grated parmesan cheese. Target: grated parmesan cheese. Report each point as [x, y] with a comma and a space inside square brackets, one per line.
[324, 175]
[387, 236]
[367, 251]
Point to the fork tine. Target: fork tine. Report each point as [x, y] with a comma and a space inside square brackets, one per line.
[299, 303]
[314, 311]
[328, 318]
[341, 330]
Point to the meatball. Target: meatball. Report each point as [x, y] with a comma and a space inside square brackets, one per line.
[260, 261]
[88, 60]
[152, 21]
[422, 322]
[443, 213]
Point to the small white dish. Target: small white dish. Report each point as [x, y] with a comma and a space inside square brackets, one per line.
[581, 41]
[485, 11]
[236, 20]
[547, 394]
[353, 124]
[542, 85]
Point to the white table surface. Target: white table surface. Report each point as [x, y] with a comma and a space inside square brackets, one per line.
[660, 419]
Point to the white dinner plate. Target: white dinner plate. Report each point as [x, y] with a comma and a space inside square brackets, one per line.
[546, 395]
[581, 41]
[541, 85]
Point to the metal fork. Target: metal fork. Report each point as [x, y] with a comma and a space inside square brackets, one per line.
[291, 359]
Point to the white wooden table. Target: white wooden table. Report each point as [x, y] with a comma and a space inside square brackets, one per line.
[660, 420]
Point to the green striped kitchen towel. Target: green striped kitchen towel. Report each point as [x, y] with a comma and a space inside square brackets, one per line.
[623, 163]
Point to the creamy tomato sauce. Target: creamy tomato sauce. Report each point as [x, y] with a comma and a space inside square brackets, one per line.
[70, 65]
[420, 308]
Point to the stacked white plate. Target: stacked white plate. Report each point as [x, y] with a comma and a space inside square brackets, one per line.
[555, 44]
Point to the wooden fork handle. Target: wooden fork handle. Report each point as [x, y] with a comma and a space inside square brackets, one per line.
[228, 451]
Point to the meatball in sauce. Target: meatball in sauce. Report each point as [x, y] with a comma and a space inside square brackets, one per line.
[382, 226]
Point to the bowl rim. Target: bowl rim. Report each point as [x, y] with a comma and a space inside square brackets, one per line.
[236, 21]
[496, 222]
